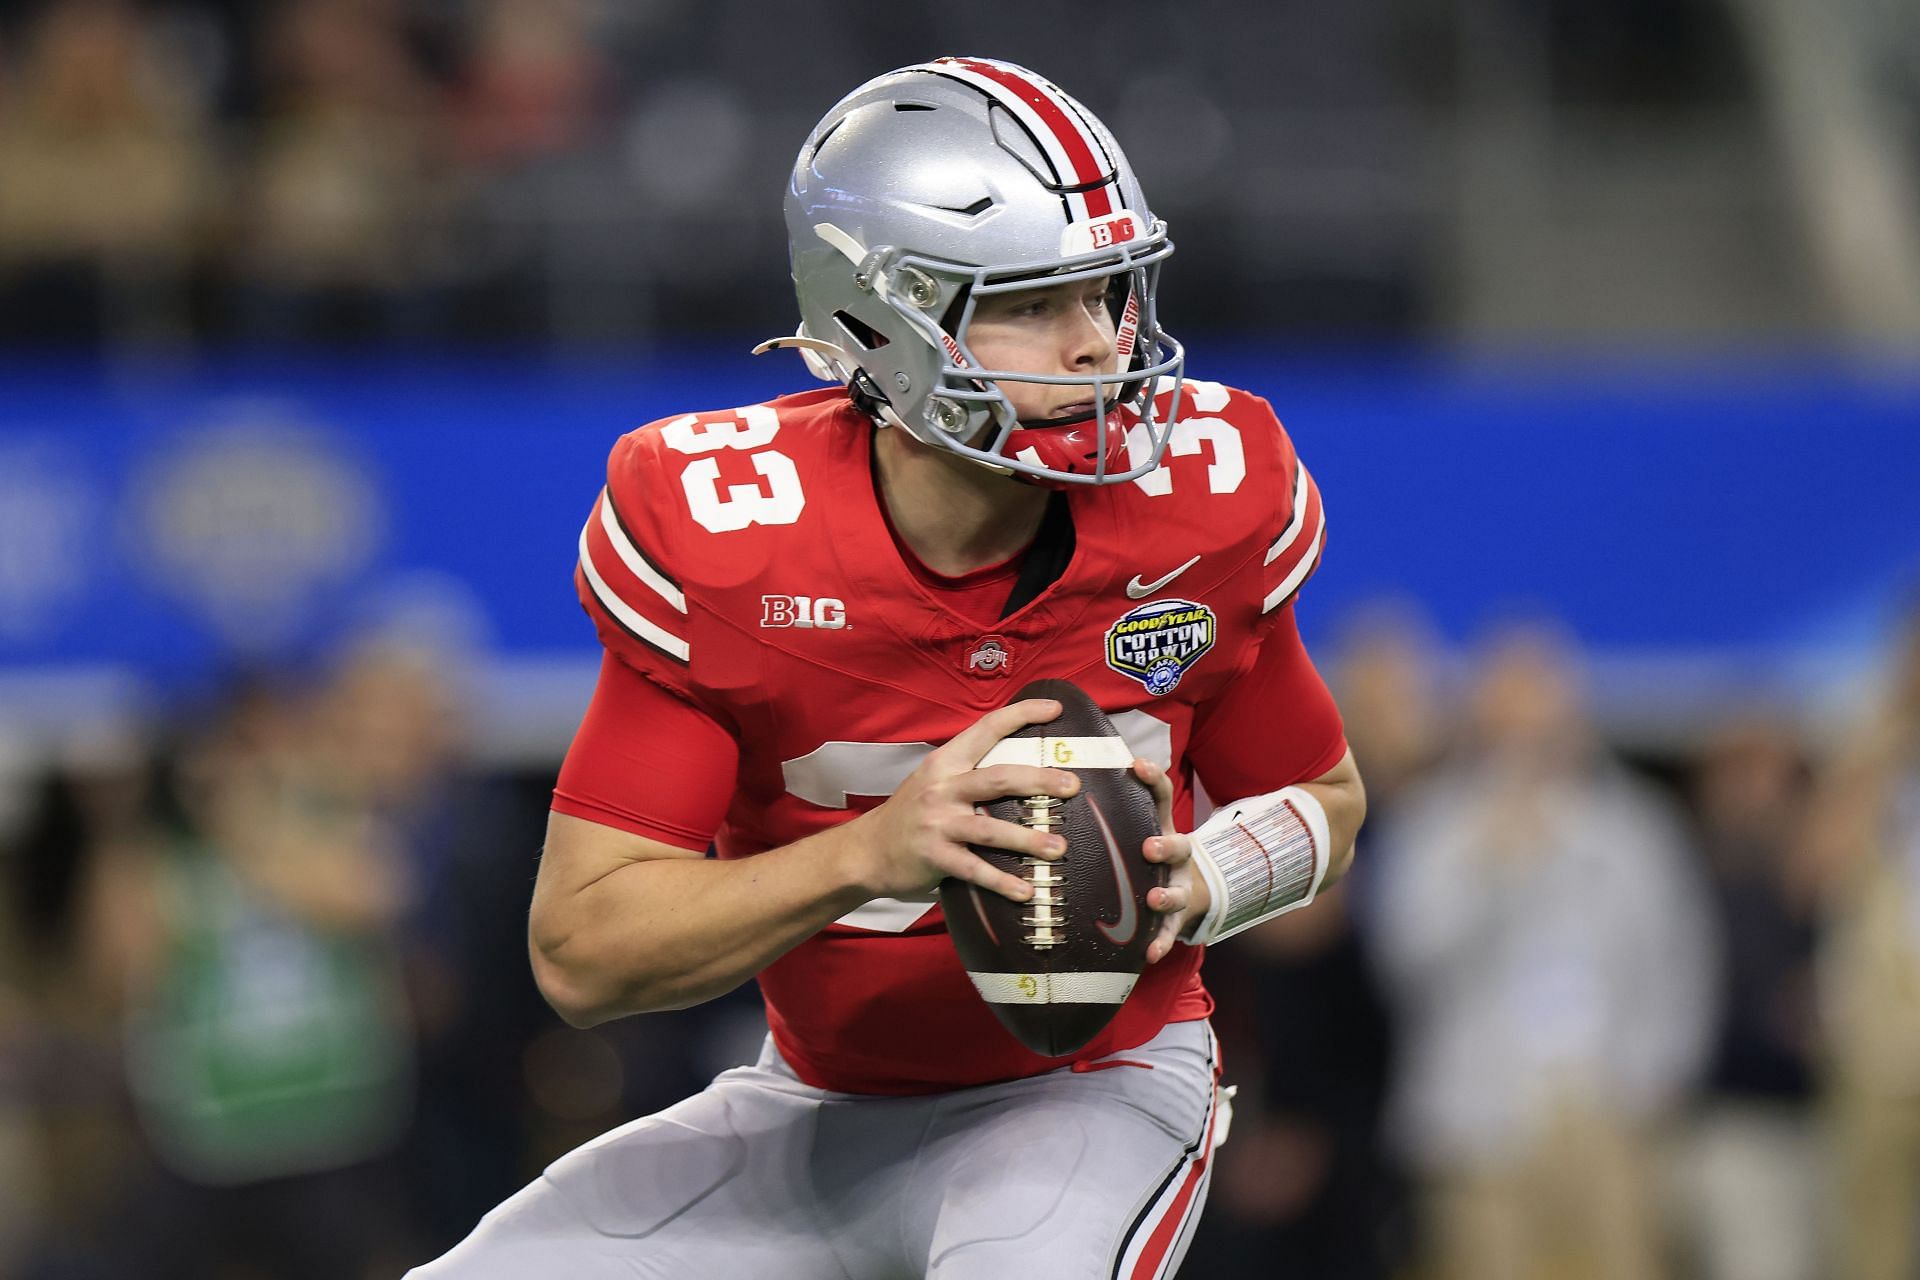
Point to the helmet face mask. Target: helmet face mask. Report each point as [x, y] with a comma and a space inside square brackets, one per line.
[1102, 446]
[930, 189]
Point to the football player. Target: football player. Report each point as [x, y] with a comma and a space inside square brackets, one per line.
[812, 611]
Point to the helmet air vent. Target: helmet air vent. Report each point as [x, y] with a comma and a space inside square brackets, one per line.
[973, 210]
[864, 334]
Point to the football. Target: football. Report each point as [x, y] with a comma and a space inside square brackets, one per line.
[1055, 969]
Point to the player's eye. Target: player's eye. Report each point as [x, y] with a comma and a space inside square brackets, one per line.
[1104, 296]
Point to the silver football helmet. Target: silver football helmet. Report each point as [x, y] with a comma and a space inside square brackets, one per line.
[931, 187]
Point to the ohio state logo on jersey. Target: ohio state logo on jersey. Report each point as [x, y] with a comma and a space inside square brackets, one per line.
[990, 657]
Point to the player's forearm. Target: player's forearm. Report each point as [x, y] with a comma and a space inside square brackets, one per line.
[1344, 797]
[674, 932]
[1345, 800]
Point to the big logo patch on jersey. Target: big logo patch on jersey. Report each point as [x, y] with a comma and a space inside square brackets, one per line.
[1156, 643]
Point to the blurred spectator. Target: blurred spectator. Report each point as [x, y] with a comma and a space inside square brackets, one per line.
[1752, 1152]
[341, 211]
[1387, 675]
[267, 1048]
[1543, 935]
[106, 174]
[542, 210]
[534, 85]
[1303, 1021]
[1865, 843]
[61, 1064]
[393, 715]
[1316, 153]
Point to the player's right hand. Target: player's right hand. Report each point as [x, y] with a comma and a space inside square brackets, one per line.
[919, 836]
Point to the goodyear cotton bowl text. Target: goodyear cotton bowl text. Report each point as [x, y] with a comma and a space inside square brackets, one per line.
[1157, 642]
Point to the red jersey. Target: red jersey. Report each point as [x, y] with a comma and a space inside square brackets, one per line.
[742, 562]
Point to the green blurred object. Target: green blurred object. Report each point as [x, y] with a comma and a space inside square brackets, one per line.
[267, 1048]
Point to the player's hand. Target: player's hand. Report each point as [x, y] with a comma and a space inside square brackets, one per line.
[1185, 898]
[919, 836]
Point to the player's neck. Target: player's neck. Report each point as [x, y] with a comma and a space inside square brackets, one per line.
[955, 516]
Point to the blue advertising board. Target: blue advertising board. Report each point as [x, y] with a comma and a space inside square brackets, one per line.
[164, 521]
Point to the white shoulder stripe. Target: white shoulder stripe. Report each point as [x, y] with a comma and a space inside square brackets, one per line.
[636, 563]
[657, 636]
[1294, 523]
[1300, 571]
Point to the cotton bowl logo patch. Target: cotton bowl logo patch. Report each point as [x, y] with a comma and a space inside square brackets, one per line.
[1156, 643]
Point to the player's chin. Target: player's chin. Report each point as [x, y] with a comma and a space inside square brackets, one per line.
[1071, 405]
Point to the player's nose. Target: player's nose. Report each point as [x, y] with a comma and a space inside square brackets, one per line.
[1090, 343]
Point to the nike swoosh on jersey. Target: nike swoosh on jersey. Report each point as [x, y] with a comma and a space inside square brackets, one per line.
[1121, 931]
[1137, 588]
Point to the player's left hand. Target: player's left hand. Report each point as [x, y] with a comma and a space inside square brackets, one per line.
[1185, 898]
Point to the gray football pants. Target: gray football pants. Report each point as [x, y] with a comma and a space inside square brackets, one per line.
[1096, 1174]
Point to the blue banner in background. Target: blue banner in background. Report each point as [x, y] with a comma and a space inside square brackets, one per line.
[168, 521]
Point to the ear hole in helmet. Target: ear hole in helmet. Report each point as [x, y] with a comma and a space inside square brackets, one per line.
[869, 338]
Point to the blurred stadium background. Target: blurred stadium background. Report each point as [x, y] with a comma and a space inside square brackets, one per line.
[1599, 321]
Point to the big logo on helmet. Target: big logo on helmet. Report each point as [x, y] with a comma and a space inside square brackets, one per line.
[1102, 233]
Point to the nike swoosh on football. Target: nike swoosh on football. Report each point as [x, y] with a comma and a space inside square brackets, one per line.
[1121, 931]
[1137, 588]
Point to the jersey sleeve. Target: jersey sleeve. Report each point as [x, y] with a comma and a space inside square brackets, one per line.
[1272, 727]
[646, 760]
[652, 756]
[623, 577]
[1295, 551]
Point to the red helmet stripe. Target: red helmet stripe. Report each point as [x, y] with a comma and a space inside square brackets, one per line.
[1070, 137]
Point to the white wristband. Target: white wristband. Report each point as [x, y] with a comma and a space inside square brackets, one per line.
[1261, 857]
